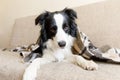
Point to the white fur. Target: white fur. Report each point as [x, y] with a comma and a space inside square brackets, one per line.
[54, 53]
[60, 35]
[31, 71]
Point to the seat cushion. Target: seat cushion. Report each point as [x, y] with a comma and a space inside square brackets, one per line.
[68, 71]
[12, 68]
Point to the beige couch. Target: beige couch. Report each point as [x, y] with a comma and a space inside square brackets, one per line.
[99, 21]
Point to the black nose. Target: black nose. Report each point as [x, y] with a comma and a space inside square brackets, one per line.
[62, 43]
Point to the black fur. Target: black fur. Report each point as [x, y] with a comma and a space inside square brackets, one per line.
[49, 28]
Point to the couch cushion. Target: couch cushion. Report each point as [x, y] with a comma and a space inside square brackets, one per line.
[25, 32]
[101, 22]
[12, 68]
[67, 71]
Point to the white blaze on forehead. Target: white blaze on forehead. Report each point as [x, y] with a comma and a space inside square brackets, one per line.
[59, 19]
[60, 35]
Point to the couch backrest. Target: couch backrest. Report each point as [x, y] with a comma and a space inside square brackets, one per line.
[100, 21]
[25, 32]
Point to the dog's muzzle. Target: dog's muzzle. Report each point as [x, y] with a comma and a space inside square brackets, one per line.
[62, 44]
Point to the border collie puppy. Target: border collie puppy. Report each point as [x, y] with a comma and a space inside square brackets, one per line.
[57, 35]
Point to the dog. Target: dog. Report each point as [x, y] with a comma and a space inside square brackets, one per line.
[57, 35]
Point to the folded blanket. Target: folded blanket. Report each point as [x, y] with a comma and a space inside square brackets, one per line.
[85, 48]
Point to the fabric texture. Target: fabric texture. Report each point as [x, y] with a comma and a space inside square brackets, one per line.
[25, 32]
[12, 68]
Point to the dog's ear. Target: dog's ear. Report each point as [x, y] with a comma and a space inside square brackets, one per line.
[71, 13]
[41, 18]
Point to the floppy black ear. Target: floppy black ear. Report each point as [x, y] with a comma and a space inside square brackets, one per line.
[41, 18]
[71, 13]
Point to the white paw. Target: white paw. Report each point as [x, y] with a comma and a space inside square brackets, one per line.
[30, 74]
[89, 65]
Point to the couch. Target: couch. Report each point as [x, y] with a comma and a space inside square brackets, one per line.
[100, 21]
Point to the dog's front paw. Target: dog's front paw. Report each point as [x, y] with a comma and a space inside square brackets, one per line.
[89, 65]
[30, 74]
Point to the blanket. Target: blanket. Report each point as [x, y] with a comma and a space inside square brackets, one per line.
[85, 48]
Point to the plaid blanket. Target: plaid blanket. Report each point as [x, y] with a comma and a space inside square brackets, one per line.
[85, 48]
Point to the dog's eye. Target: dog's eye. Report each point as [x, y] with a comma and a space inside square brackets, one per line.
[53, 29]
[65, 27]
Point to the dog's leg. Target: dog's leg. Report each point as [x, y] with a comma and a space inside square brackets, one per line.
[82, 62]
[85, 64]
[31, 71]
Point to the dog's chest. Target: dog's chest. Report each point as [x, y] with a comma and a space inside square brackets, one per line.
[62, 54]
[58, 54]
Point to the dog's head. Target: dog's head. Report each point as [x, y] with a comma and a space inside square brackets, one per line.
[59, 26]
